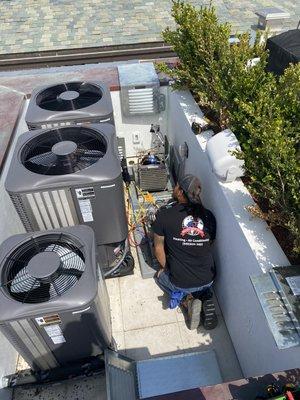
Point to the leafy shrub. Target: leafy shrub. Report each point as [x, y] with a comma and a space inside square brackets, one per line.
[288, 99]
[214, 70]
[263, 111]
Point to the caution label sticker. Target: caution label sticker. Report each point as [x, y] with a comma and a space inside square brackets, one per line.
[86, 210]
[55, 333]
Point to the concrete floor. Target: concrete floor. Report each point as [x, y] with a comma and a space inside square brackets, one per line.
[142, 328]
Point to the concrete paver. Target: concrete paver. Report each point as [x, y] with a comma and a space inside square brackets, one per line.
[115, 304]
[142, 344]
[140, 305]
[32, 25]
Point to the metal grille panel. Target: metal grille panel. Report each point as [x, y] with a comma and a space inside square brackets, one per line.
[17, 202]
[152, 179]
[30, 345]
[280, 318]
[46, 210]
[141, 101]
[121, 379]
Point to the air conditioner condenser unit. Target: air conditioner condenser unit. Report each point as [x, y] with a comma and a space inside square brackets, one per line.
[69, 103]
[54, 306]
[69, 176]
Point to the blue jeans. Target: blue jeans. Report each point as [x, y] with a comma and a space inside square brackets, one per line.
[163, 281]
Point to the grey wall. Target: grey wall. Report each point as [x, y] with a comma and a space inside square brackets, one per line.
[243, 247]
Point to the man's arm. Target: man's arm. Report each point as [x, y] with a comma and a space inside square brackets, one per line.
[159, 250]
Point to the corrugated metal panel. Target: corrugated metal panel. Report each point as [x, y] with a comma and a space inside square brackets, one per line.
[43, 210]
[21, 210]
[59, 208]
[35, 211]
[172, 374]
[122, 384]
[39, 344]
[280, 318]
[52, 209]
[120, 377]
[67, 201]
[27, 338]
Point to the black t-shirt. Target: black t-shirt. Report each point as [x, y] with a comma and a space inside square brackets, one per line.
[187, 244]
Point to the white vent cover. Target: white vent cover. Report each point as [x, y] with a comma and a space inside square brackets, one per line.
[220, 150]
[140, 89]
[141, 101]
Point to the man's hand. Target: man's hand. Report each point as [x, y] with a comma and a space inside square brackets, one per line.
[159, 272]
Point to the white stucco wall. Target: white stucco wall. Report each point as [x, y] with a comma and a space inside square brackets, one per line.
[244, 247]
[128, 126]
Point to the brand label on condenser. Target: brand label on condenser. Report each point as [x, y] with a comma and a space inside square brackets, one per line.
[48, 320]
[85, 193]
[86, 210]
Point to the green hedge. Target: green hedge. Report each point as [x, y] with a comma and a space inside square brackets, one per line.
[262, 110]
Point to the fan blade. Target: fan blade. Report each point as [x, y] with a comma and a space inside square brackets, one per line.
[90, 149]
[85, 100]
[87, 89]
[65, 282]
[57, 247]
[23, 283]
[71, 272]
[44, 159]
[80, 166]
[89, 153]
[79, 143]
[52, 291]
[48, 97]
[73, 262]
[68, 256]
[58, 105]
[43, 291]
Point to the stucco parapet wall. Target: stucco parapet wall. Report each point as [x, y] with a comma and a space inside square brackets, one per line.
[263, 243]
[16, 86]
[244, 247]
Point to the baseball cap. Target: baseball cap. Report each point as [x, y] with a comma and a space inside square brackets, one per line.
[191, 187]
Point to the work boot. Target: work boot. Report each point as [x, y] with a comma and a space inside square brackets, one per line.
[193, 313]
[209, 317]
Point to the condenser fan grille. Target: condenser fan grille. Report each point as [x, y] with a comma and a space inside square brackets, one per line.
[43, 268]
[69, 96]
[63, 151]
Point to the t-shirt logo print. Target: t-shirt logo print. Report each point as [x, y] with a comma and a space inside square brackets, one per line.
[192, 226]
